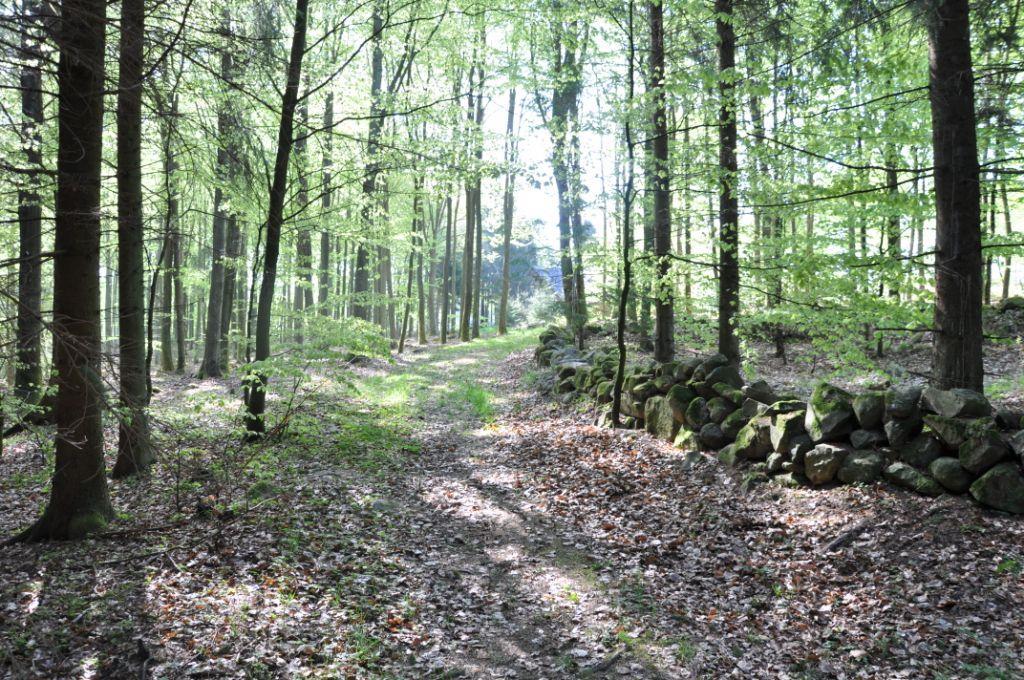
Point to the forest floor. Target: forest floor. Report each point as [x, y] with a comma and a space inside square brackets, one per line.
[436, 517]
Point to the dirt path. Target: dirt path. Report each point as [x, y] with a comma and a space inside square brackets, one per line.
[516, 593]
[447, 521]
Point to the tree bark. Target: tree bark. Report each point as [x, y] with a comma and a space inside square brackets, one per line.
[325, 235]
[135, 450]
[257, 394]
[728, 210]
[79, 503]
[446, 268]
[28, 376]
[664, 320]
[508, 207]
[957, 358]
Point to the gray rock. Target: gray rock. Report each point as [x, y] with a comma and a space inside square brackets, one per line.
[775, 462]
[696, 415]
[830, 414]
[719, 409]
[752, 480]
[921, 451]
[902, 403]
[955, 403]
[658, 419]
[753, 442]
[953, 432]
[867, 439]
[1016, 441]
[790, 480]
[729, 457]
[783, 406]
[761, 392]
[869, 408]
[948, 472]
[908, 477]
[708, 365]
[679, 398]
[861, 467]
[786, 426]
[1001, 488]
[1007, 419]
[900, 431]
[823, 462]
[798, 449]
[729, 393]
[728, 374]
[732, 425]
[712, 437]
[687, 440]
[983, 451]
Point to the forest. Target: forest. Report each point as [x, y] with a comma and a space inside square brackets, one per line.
[536, 339]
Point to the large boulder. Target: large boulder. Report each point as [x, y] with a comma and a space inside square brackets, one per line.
[1007, 419]
[700, 373]
[685, 368]
[696, 415]
[658, 419]
[776, 407]
[911, 478]
[728, 392]
[663, 383]
[953, 432]
[712, 437]
[786, 426]
[798, 449]
[760, 391]
[955, 403]
[754, 442]
[729, 456]
[921, 451]
[570, 368]
[678, 398]
[830, 414]
[1001, 488]
[900, 431]
[982, 451]
[902, 403]
[823, 462]
[605, 391]
[948, 472]
[719, 409]
[867, 439]
[1016, 441]
[861, 467]
[644, 391]
[735, 421]
[869, 408]
[687, 440]
[728, 374]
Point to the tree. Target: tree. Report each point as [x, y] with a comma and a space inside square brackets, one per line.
[79, 503]
[256, 401]
[957, 359]
[664, 343]
[508, 208]
[728, 205]
[134, 450]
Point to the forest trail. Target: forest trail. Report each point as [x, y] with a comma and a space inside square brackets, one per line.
[437, 517]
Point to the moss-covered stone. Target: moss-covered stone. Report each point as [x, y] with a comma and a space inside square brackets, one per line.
[729, 393]
[1001, 488]
[953, 432]
[753, 442]
[760, 391]
[910, 478]
[955, 403]
[921, 451]
[604, 391]
[867, 439]
[948, 472]
[734, 422]
[687, 440]
[823, 462]
[830, 414]
[982, 451]
[664, 383]
[869, 408]
[712, 437]
[902, 403]
[728, 456]
[785, 426]
[901, 431]
[727, 374]
[659, 420]
[861, 467]
[696, 414]
[719, 409]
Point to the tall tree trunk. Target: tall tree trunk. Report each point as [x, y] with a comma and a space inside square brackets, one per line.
[728, 252]
[304, 243]
[664, 289]
[232, 256]
[325, 235]
[28, 375]
[79, 503]
[446, 267]
[180, 301]
[211, 363]
[957, 358]
[1007, 270]
[361, 306]
[257, 393]
[507, 213]
[627, 230]
[134, 450]
[167, 292]
[468, 248]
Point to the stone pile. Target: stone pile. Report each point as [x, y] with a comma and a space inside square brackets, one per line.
[926, 440]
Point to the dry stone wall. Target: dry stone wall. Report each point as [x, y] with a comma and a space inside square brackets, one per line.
[925, 440]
